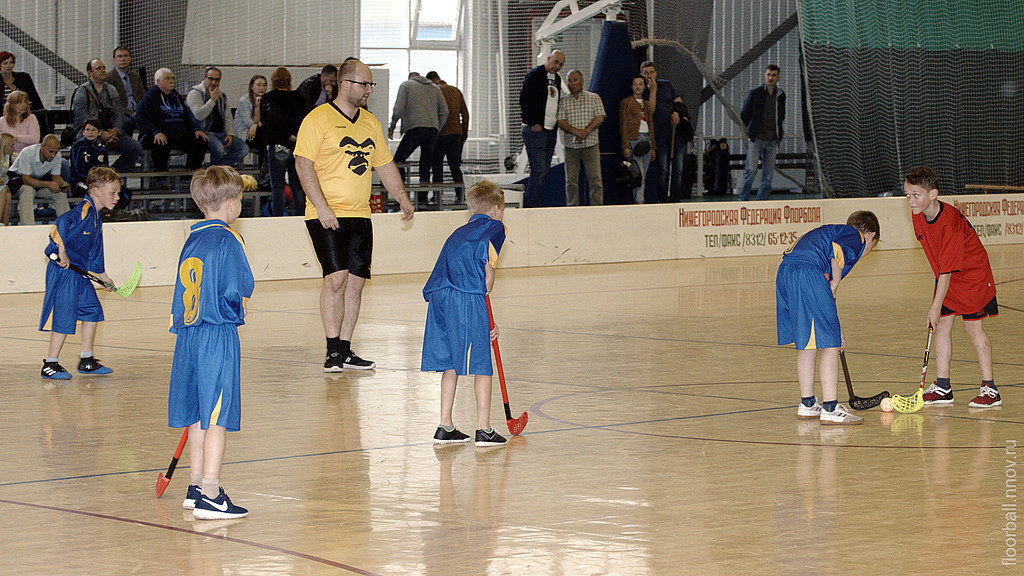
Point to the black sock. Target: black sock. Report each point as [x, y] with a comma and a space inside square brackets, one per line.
[990, 383]
[830, 406]
[346, 347]
[808, 401]
[942, 383]
[334, 346]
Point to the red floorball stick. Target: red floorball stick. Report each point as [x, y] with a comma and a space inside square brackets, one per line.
[515, 425]
[164, 479]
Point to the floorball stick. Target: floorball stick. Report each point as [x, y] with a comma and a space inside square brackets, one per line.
[164, 479]
[856, 402]
[515, 425]
[916, 401]
[124, 291]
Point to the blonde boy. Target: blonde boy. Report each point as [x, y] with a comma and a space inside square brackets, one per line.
[214, 283]
[457, 335]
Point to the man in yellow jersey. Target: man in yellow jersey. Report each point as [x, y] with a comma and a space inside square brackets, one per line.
[338, 143]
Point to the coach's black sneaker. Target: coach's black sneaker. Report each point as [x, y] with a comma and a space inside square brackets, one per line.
[489, 438]
[92, 367]
[334, 362]
[54, 371]
[194, 493]
[219, 508]
[356, 363]
[443, 436]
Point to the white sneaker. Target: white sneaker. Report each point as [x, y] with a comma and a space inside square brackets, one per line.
[839, 417]
[805, 413]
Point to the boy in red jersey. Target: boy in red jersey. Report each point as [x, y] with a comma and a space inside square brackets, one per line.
[963, 284]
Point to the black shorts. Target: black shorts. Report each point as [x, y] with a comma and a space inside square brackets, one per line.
[990, 309]
[347, 248]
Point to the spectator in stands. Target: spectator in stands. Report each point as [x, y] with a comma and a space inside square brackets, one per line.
[129, 87]
[668, 111]
[6, 158]
[165, 124]
[634, 127]
[88, 152]
[538, 102]
[422, 109]
[11, 81]
[282, 110]
[763, 112]
[210, 107]
[453, 133]
[19, 122]
[320, 88]
[36, 173]
[249, 125]
[95, 98]
[579, 116]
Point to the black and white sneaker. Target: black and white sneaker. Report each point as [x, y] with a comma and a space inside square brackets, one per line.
[219, 508]
[54, 371]
[356, 363]
[194, 493]
[489, 438]
[92, 366]
[443, 436]
[334, 362]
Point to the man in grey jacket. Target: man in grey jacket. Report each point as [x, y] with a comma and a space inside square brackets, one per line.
[421, 108]
[95, 98]
[210, 107]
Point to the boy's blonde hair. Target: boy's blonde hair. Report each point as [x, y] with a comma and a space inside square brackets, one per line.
[484, 194]
[210, 187]
[100, 175]
[6, 145]
[865, 221]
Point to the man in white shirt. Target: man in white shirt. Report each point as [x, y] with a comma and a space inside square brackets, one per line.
[36, 173]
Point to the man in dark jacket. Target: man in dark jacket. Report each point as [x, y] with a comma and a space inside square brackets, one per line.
[320, 88]
[165, 124]
[763, 113]
[538, 102]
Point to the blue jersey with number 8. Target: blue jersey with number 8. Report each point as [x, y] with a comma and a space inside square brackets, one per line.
[214, 281]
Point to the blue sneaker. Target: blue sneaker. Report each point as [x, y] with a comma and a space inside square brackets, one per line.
[92, 366]
[219, 508]
[54, 371]
[193, 494]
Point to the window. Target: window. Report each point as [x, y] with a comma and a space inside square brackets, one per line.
[411, 36]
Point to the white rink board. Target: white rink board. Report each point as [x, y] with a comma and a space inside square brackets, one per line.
[279, 248]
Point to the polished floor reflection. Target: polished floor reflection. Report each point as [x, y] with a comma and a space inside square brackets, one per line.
[662, 437]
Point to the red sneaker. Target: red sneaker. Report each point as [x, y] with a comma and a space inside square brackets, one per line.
[987, 398]
[935, 396]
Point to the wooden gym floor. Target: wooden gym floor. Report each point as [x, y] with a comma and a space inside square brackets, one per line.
[662, 437]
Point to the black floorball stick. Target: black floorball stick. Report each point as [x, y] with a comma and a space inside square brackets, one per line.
[856, 402]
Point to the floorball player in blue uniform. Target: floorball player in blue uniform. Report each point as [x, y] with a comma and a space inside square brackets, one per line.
[214, 284]
[77, 238]
[806, 313]
[457, 337]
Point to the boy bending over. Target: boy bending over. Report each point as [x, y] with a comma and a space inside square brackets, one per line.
[457, 337]
[806, 313]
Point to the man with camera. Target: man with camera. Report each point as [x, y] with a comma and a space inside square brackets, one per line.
[96, 98]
